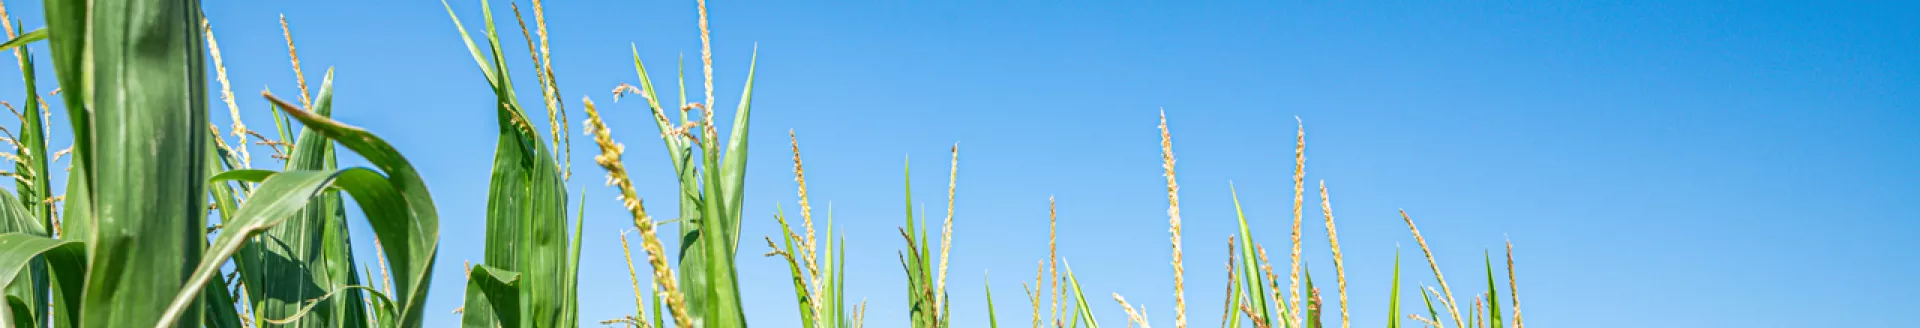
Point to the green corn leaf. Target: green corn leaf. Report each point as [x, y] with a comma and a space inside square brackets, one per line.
[493, 298]
[571, 308]
[807, 317]
[279, 196]
[712, 246]
[39, 185]
[74, 72]
[310, 255]
[380, 304]
[1250, 265]
[831, 296]
[29, 37]
[526, 207]
[1493, 293]
[920, 287]
[526, 216]
[219, 304]
[840, 283]
[992, 321]
[1080, 300]
[398, 206]
[20, 250]
[68, 281]
[1234, 294]
[1431, 312]
[693, 205]
[146, 81]
[674, 144]
[715, 245]
[735, 165]
[18, 313]
[1312, 308]
[1393, 299]
[28, 288]
[659, 318]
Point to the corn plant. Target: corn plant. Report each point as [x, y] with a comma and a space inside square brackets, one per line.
[926, 283]
[132, 247]
[1068, 301]
[310, 255]
[1254, 289]
[529, 277]
[710, 173]
[30, 211]
[819, 286]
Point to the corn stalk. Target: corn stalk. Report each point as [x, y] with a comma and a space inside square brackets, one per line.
[528, 278]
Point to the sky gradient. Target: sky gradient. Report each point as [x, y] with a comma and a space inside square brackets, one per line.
[1707, 164]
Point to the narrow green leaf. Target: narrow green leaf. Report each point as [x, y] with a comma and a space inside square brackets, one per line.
[1431, 312]
[1234, 295]
[1393, 299]
[805, 303]
[39, 185]
[31, 36]
[1250, 265]
[1080, 300]
[992, 321]
[570, 309]
[1493, 293]
[1312, 308]
[735, 165]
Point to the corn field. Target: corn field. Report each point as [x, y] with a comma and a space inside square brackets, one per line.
[164, 222]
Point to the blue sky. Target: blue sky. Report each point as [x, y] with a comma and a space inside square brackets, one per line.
[1655, 164]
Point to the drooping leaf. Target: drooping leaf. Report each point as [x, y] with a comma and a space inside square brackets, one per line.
[292, 264]
[493, 298]
[397, 206]
[28, 288]
[278, 197]
[18, 249]
[20, 252]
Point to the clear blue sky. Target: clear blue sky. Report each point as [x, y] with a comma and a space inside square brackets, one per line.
[1655, 164]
